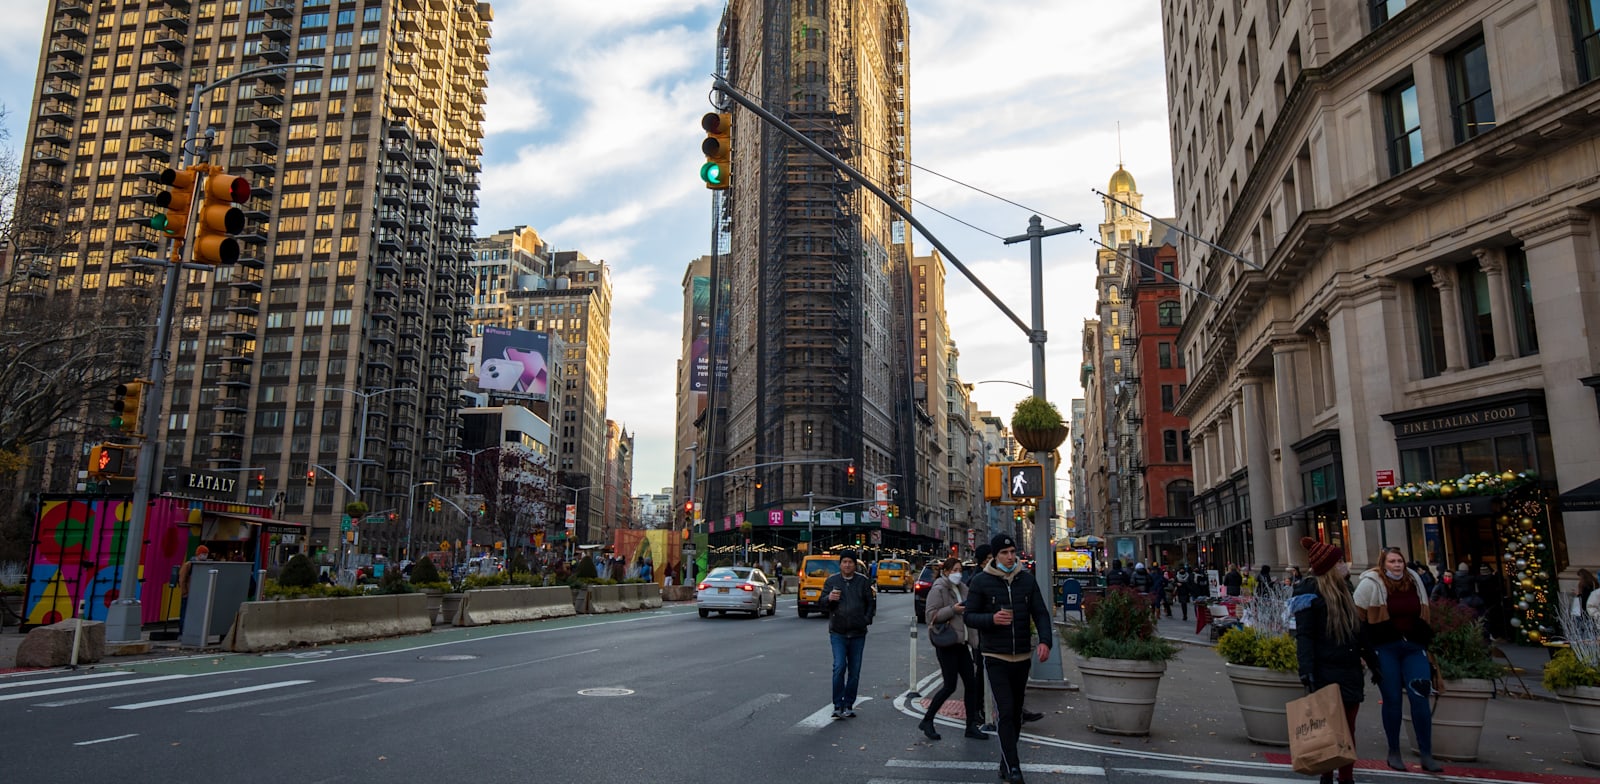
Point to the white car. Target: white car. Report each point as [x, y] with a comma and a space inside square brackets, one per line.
[736, 588]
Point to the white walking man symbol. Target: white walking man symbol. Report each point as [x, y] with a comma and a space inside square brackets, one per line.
[1019, 483]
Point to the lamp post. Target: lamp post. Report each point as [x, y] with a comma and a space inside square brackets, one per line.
[811, 523]
[575, 492]
[411, 500]
[361, 448]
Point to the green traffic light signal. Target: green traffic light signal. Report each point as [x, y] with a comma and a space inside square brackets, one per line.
[711, 173]
[158, 222]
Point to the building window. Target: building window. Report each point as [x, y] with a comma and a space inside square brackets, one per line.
[1184, 438]
[1430, 326]
[1169, 314]
[1169, 446]
[1384, 10]
[1180, 496]
[1583, 28]
[1166, 397]
[1404, 123]
[1476, 317]
[1164, 355]
[1116, 342]
[1522, 320]
[1471, 101]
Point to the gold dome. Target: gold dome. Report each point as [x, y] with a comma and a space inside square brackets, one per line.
[1122, 181]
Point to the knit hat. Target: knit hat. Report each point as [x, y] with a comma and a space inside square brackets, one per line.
[982, 553]
[851, 554]
[1321, 555]
[1001, 542]
[202, 550]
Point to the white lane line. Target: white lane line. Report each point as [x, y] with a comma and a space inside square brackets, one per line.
[822, 718]
[210, 695]
[1027, 767]
[920, 781]
[123, 695]
[308, 696]
[64, 679]
[1200, 775]
[70, 689]
[106, 740]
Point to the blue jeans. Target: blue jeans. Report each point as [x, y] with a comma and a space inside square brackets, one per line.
[1402, 663]
[846, 668]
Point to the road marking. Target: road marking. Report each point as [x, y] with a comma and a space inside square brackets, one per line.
[822, 718]
[210, 695]
[106, 740]
[64, 679]
[1200, 775]
[123, 695]
[1068, 770]
[312, 696]
[70, 689]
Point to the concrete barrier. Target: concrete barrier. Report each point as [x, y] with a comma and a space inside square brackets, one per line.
[678, 593]
[264, 626]
[650, 596]
[605, 598]
[632, 596]
[791, 584]
[513, 603]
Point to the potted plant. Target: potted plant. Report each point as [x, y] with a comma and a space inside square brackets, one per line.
[1574, 677]
[1037, 425]
[1121, 660]
[1264, 670]
[1468, 671]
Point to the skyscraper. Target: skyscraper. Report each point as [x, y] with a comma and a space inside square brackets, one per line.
[349, 298]
[819, 366]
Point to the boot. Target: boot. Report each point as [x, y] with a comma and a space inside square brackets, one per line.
[1395, 761]
[1430, 764]
[927, 728]
[1327, 778]
[975, 732]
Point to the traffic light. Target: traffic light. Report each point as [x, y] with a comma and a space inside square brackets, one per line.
[850, 474]
[1025, 480]
[482, 509]
[718, 149]
[311, 477]
[261, 481]
[174, 202]
[993, 484]
[219, 219]
[125, 406]
[106, 460]
[688, 513]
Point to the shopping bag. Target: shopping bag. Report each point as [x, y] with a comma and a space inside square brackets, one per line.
[1319, 737]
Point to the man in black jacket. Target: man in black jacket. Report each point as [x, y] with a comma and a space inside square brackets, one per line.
[851, 601]
[1004, 598]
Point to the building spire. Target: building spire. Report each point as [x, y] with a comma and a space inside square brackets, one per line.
[1119, 144]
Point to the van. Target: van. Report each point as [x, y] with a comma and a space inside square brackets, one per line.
[894, 573]
[814, 571]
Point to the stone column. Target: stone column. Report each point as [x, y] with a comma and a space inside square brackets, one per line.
[1455, 347]
[1493, 263]
[1259, 463]
[1291, 371]
[1327, 391]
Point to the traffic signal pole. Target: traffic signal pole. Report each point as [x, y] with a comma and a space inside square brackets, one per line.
[125, 616]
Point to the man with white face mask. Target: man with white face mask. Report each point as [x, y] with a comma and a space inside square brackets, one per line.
[945, 606]
[1002, 604]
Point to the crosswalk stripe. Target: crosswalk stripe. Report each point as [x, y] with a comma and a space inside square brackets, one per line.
[822, 718]
[211, 695]
[86, 687]
[308, 696]
[64, 679]
[1027, 767]
[1200, 775]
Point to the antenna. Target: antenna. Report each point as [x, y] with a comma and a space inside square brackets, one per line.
[1119, 144]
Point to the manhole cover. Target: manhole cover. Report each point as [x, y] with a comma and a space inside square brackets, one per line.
[448, 657]
[608, 692]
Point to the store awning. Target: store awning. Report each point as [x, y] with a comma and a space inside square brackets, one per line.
[1583, 498]
[266, 522]
[1437, 507]
[1289, 518]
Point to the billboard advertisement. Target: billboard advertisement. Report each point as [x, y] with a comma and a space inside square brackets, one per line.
[700, 335]
[515, 360]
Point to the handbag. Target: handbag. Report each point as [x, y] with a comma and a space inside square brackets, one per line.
[1319, 735]
[1433, 672]
[943, 635]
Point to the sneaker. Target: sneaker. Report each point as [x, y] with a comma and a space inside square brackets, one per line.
[1030, 716]
[989, 727]
[847, 713]
[838, 714]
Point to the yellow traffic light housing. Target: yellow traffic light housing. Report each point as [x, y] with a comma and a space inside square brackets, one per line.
[125, 406]
[993, 483]
[220, 219]
[174, 202]
[107, 460]
[717, 171]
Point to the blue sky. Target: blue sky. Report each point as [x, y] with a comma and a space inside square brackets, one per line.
[593, 139]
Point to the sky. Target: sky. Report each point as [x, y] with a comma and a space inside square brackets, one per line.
[593, 139]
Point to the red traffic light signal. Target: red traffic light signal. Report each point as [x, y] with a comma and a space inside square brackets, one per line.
[219, 219]
[311, 478]
[261, 481]
[850, 473]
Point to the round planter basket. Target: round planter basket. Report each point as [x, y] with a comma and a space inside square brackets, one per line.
[1040, 440]
[1264, 696]
[1583, 715]
[1457, 719]
[1121, 693]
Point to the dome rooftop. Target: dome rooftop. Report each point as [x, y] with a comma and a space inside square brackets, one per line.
[1122, 181]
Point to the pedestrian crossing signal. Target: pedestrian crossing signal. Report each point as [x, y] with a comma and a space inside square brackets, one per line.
[1025, 480]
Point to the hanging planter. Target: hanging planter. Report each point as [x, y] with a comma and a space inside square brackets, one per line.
[1037, 425]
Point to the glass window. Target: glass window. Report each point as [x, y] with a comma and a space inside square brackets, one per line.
[1430, 326]
[1167, 398]
[1404, 123]
[1476, 317]
[1471, 101]
[1169, 314]
[1584, 13]
[1180, 497]
[1169, 446]
[1522, 317]
[1384, 10]
[1164, 355]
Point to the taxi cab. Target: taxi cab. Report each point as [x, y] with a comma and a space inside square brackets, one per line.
[814, 571]
[894, 573]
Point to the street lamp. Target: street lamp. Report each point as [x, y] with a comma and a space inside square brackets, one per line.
[361, 448]
[410, 509]
[575, 492]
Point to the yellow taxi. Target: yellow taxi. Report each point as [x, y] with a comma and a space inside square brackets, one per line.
[814, 571]
[894, 573]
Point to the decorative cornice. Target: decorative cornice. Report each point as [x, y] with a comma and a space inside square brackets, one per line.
[1572, 221]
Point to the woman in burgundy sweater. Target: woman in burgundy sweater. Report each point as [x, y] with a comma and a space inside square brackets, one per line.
[1394, 612]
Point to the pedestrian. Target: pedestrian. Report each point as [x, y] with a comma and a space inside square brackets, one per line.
[1329, 643]
[1425, 573]
[1445, 588]
[1292, 578]
[1394, 612]
[1264, 584]
[1117, 575]
[1140, 580]
[1233, 582]
[1184, 588]
[851, 602]
[946, 604]
[185, 575]
[999, 595]
[1586, 598]
[980, 561]
[1158, 591]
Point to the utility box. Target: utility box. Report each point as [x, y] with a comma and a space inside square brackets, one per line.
[227, 585]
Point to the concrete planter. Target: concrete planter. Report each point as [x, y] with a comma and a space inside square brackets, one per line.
[1458, 719]
[1121, 693]
[449, 605]
[1583, 716]
[1264, 696]
[435, 604]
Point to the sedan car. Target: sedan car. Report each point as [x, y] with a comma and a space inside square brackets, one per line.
[736, 589]
[921, 586]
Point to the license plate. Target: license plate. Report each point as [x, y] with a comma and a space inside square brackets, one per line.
[722, 590]
[811, 594]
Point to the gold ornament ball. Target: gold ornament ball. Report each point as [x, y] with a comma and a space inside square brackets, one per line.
[1534, 636]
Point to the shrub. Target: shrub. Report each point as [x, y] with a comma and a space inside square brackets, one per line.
[424, 571]
[1565, 671]
[298, 572]
[1246, 646]
[1119, 625]
[518, 564]
[1459, 643]
[273, 590]
[1034, 413]
[394, 581]
[586, 569]
[483, 580]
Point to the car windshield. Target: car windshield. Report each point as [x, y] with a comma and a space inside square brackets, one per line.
[893, 567]
[725, 573]
[821, 568]
[927, 574]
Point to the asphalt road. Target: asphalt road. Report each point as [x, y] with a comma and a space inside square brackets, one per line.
[653, 696]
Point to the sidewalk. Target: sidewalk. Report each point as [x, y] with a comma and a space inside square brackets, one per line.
[1197, 716]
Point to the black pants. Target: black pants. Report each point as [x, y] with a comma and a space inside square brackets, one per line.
[1009, 680]
[955, 663]
[978, 685]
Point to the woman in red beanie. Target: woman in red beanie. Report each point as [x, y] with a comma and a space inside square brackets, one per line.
[1329, 640]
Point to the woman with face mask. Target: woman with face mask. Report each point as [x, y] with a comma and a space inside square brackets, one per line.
[1394, 613]
[946, 605]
